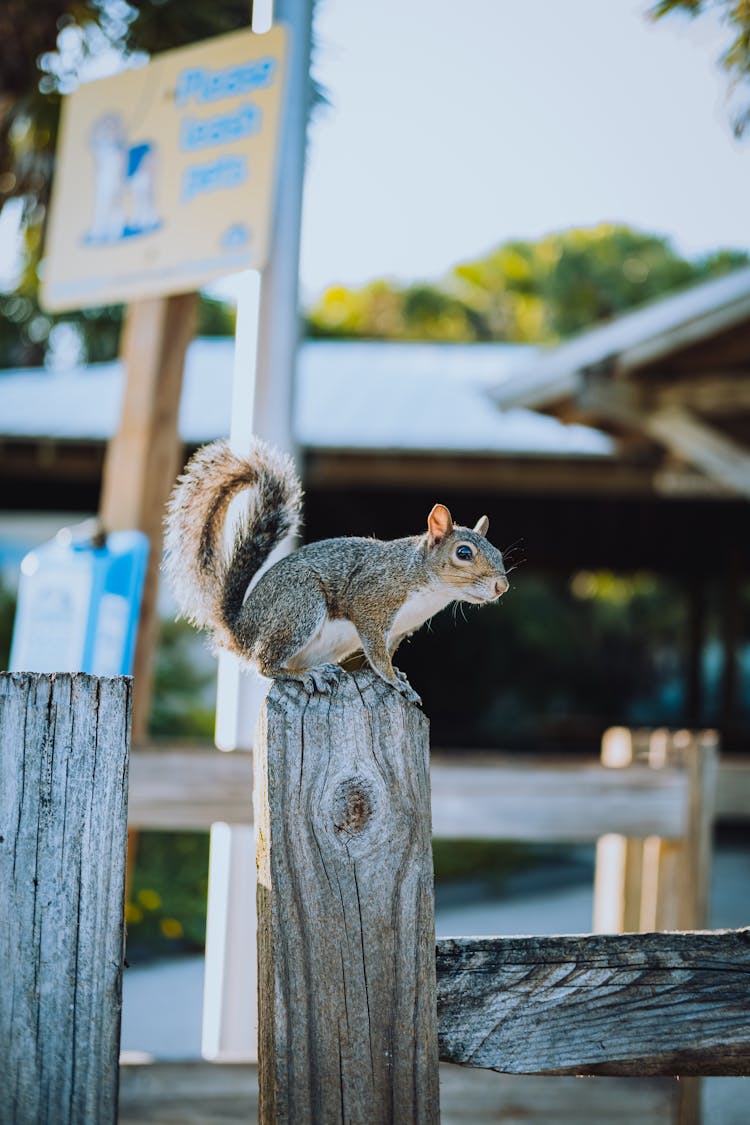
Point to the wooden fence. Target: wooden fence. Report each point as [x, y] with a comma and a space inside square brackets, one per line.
[342, 809]
[355, 1007]
[474, 795]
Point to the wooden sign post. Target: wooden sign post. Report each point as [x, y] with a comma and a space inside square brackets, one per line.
[143, 457]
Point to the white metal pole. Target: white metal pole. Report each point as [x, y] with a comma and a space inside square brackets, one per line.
[262, 404]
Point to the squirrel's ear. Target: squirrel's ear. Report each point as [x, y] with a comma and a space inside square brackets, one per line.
[482, 525]
[439, 524]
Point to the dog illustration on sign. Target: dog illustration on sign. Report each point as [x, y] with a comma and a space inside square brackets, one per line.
[124, 183]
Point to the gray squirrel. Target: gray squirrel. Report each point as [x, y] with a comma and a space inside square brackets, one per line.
[325, 601]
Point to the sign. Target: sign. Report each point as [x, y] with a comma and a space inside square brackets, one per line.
[78, 604]
[165, 174]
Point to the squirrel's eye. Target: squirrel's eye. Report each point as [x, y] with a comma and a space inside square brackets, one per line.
[464, 552]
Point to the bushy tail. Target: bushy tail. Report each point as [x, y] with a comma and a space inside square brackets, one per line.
[209, 578]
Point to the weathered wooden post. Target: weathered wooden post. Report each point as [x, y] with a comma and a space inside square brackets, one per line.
[661, 884]
[346, 930]
[63, 813]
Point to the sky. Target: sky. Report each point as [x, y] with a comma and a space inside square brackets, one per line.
[453, 127]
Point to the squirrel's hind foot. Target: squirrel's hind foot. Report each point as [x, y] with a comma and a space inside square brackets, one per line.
[320, 680]
[403, 687]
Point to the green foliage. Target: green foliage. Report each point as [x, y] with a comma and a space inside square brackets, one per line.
[455, 860]
[182, 677]
[166, 908]
[215, 318]
[736, 59]
[523, 291]
[381, 310]
[556, 659]
[7, 617]
[27, 332]
[490, 865]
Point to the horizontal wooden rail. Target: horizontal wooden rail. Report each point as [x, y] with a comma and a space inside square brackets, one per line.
[189, 789]
[511, 798]
[733, 789]
[196, 1092]
[615, 1004]
[530, 799]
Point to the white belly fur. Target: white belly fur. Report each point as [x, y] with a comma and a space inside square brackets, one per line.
[335, 641]
[418, 608]
[339, 638]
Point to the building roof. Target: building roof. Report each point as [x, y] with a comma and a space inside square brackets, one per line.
[634, 341]
[656, 401]
[351, 395]
[672, 379]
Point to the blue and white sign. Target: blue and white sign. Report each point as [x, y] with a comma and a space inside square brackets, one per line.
[78, 604]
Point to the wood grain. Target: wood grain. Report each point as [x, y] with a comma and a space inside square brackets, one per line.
[619, 1004]
[63, 812]
[345, 908]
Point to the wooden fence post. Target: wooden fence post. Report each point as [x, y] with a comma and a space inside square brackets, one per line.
[63, 813]
[656, 883]
[661, 884]
[346, 930]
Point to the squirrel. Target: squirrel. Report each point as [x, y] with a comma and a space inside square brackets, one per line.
[325, 601]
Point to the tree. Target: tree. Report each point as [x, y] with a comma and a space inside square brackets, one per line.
[549, 289]
[736, 59]
[523, 291]
[382, 310]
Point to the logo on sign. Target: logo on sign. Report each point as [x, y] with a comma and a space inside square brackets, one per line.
[124, 183]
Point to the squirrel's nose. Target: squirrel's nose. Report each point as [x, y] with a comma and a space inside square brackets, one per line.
[501, 585]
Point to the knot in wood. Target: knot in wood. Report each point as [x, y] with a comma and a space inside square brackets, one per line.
[353, 806]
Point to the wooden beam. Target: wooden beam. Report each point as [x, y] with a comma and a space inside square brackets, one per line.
[330, 469]
[143, 457]
[733, 789]
[505, 797]
[617, 1004]
[196, 1092]
[583, 476]
[515, 799]
[702, 445]
[713, 392]
[189, 789]
[604, 399]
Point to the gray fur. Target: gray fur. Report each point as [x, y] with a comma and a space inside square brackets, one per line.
[324, 601]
